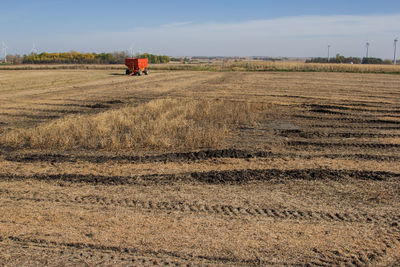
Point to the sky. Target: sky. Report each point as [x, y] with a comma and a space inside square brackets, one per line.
[202, 28]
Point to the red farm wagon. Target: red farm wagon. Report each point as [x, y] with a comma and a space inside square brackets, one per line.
[137, 66]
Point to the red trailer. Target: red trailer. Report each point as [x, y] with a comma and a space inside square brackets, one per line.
[137, 66]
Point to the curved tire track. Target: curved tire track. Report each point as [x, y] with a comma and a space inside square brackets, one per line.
[136, 257]
[227, 210]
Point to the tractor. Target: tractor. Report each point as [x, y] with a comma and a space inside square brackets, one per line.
[137, 66]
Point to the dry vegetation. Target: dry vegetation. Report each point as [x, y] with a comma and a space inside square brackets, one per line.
[313, 67]
[157, 125]
[199, 168]
[264, 66]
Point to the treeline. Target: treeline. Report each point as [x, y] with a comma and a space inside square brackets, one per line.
[349, 60]
[155, 59]
[81, 58]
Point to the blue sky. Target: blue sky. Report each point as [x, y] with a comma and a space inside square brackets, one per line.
[179, 28]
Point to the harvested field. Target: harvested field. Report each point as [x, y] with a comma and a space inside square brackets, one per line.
[199, 168]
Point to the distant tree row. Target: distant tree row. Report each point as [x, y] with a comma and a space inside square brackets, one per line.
[81, 58]
[349, 60]
[155, 59]
[14, 59]
[74, 57]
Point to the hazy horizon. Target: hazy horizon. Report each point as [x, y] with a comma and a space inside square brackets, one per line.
[226, 28]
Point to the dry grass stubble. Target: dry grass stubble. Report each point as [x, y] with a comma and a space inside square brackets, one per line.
[159, 124]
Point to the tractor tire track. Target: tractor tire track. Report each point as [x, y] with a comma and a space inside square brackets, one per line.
[366, 257]
[358, 145]
[331, 112]
[214, 177]
[313, 134]
[189, 156]
[330, 126]
[135, 256]
[347, 108]
[225, 210]
[169, 157]
[348, 120]
[91, 257]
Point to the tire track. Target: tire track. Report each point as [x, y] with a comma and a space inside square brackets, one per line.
[312, 134]
[360, 103]
[347, 108]
[358, 145]
[367, 257]
[91, 257]
[331, 112]
[348, 120]
[225, 210]
[379, 158]
[186, 157]
[330, 126]
[169, 157]
[137, 256]
[214, 177]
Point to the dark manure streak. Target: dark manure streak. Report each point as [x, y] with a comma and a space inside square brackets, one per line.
[169, 157]
[213, 177]
[243, 176]
[186, 157]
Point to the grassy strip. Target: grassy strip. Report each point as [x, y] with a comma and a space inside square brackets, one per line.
[62, 67]
[285, 67]
[157, 125]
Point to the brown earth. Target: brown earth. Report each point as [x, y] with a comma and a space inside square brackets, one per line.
[313, 180]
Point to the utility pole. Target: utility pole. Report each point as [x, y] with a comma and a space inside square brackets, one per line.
[395, 50]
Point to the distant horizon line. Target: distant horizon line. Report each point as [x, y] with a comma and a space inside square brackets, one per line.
[201, 56]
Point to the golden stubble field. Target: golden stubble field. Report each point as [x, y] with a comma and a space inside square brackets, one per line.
[199, 168]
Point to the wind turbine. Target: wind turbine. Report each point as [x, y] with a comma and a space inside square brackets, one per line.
[131, 50]
[329, 48]
[4, 47]
[34, 49]
[395, 50]
[367, 46]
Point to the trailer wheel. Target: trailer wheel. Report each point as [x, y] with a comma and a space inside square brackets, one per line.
[139, 73]
[127, 72]
[146, 72]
